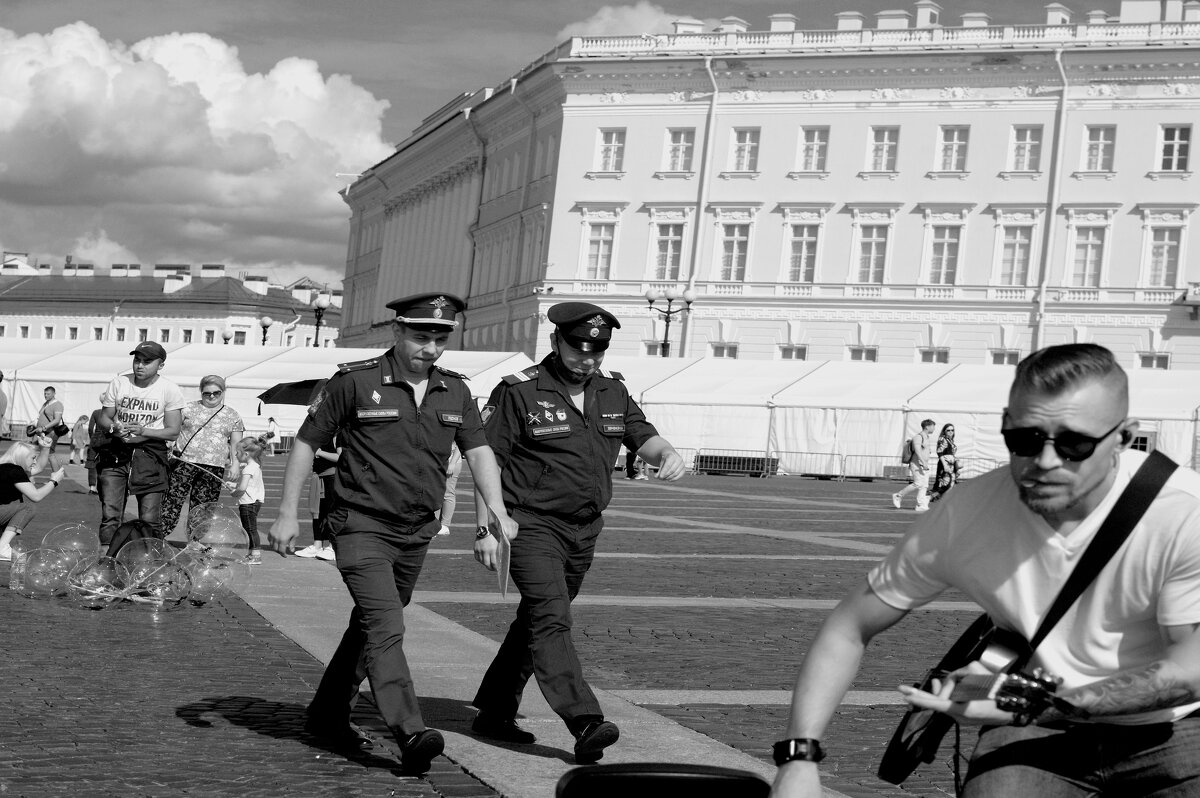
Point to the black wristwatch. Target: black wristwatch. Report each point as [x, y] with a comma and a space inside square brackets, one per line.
[804, 748]
[482, 532]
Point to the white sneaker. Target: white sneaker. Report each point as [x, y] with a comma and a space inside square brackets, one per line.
[308, 552]
[327, 554]
[896, 500]
[920, 509]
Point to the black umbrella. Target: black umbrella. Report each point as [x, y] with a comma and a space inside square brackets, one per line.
[301, 392]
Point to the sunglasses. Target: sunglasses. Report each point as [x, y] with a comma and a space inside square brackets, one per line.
[1071, 446]
[211, 394]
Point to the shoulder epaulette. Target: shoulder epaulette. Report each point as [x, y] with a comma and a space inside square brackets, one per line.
[612, 375]
[450, 373]
[357, 365]
[522, 376]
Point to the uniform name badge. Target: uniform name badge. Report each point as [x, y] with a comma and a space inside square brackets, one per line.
[368, 413]
[557, 429]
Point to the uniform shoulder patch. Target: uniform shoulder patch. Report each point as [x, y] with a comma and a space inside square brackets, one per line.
[612, 375]
[450, 373]
[522, 376]
[357, 365]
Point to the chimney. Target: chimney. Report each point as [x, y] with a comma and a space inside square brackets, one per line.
[979, 19]
[1058, 14]
[688, 25]
[134, 270]
[175, 281]
[928, 14]
[256, 283]
[733, 25]
[894, 19]
[850, 20]
[783, 23]
[208, 270]
[1097, 17]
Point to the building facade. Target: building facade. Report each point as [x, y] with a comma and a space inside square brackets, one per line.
[909, 191]
[170, 304]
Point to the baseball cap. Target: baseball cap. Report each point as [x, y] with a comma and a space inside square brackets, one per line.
[150, 351]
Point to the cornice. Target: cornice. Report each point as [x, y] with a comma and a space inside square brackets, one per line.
[455, 174]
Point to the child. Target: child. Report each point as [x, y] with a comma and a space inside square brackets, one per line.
[250, 492]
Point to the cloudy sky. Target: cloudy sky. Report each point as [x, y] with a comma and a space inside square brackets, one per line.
[210, 131]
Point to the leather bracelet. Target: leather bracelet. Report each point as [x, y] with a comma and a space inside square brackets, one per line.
[802, 748]
[55, 481]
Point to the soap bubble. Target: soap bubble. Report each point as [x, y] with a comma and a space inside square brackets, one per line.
[213, 577]
[169, 585]
[221, 537]
[98, 584]
[203, 514]
[46, 572]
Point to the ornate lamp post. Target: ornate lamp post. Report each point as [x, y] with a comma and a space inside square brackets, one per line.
[227, 335]
[265, 322]
[672, 295]
[319, 304]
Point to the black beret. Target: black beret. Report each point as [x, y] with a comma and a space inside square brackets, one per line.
[586, 327]
[439, 310]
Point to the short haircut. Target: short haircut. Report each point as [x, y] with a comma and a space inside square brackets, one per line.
[929, 422]
[49, 388]
[1056, 368]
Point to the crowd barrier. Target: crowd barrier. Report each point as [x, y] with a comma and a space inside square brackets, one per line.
[819, 465]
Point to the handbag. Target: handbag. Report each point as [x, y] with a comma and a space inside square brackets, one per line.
[62, 430]
[920, 731]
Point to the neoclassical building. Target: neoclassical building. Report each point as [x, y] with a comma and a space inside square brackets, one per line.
[910, 188]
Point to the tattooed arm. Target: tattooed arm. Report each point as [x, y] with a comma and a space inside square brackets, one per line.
[1169, 682]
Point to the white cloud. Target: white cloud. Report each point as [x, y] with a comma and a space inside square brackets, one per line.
[642, 17]
[172, 149]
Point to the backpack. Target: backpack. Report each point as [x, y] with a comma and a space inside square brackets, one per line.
[906, 456]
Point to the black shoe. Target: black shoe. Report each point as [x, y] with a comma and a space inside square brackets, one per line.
[337, 734]
[593, 739]
[504, 729]
[419, 750]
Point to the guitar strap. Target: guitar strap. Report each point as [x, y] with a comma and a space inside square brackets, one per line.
[1130, 507]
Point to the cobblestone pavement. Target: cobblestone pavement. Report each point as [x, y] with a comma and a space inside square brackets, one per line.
[209, 701]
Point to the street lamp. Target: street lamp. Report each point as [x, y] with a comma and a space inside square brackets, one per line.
[671, 295]
[319, 304]
[265, 322]
[227, 335]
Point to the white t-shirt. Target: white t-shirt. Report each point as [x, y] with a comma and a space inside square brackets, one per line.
[252, 479]
[984, 541]
[145, 406]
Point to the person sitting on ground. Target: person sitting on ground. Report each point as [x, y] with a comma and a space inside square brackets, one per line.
[17, 466]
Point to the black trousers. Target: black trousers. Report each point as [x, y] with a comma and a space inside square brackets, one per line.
[550, 558]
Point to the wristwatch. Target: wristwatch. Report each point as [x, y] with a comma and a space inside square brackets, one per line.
[482, 532]
[804, 748]
[55, 481]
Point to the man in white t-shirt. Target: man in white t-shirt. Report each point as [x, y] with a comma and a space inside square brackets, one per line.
[1128, 650]
[141, 412]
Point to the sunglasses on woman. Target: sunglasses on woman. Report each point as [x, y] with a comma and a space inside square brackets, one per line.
[211, 394]
[1071, 446]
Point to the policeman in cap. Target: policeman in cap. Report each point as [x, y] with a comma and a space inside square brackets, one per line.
[556, 429]
[396, 418]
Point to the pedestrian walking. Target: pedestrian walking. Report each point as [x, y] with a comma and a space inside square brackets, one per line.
[142, 412]
[250, 492]
[450, 498]
[204, 454]
[395, 418]
[918, 452]
[96, 436]
[320, 501]
[17, 467]
[1126, 647]
[947, 464]
[556, 428]
[80, 438]
[50, 418]
[272, 435]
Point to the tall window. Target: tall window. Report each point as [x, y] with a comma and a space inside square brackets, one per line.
[872, 253]
[239, 338]
[1089, 255]
[885, 144]
[73, 333]
[669, 253]
[210, 336]
[1164, 256]
[953, 148]
[803, 265]
[47, 332]
[1175, 141]
[1015, 254]
[164, 336]
[814, 144]
[943, 256]
[680, 143]
[866, 354]
[120, 333]
[600, 250]
[97, 333]
[1098, 153]
[745, 150]
[1027, 148]
[735, 244]
[187, 336]
[612, 150]
[23, 330]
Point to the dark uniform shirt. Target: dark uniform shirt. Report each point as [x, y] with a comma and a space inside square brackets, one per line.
[394, 453]
[554, 459]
